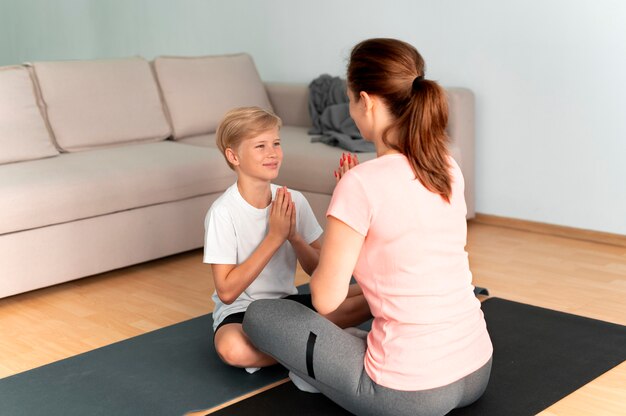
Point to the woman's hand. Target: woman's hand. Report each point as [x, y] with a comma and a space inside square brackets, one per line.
[347, 162]
[281, 213]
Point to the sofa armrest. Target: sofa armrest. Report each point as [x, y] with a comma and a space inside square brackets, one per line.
[461, 129]
[290, 102]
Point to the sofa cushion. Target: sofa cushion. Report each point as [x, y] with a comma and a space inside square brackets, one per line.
[23, 131]
[199, 91]
[207, 140]
[80, 185]
[101, 102]
[319, 159]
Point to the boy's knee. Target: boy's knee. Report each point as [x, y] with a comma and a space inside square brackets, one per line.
[233, 353]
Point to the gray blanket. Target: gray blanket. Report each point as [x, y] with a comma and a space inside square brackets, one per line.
[330, 114]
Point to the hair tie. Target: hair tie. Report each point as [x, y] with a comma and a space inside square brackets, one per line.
[417, 81]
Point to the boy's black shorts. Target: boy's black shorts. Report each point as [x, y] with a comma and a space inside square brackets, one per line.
[237, 318]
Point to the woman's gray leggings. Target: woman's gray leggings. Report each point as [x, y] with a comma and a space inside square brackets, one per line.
[331, 360]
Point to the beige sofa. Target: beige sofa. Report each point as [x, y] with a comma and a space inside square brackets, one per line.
[109, 163]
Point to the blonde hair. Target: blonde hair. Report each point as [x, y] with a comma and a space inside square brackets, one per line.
[244, 123]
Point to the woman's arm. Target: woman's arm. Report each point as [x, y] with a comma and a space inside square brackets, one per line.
[331, 280]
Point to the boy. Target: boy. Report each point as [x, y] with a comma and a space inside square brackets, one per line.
[255, 232]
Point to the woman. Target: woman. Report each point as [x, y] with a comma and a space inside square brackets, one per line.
[397, 223]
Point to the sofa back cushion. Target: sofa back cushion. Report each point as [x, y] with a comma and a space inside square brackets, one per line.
[101, 102]
[199, 91]
[23, 131]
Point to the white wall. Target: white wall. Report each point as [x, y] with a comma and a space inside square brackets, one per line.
[548, 75]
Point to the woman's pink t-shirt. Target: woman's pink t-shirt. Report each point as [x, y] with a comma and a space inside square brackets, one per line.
[428, 329]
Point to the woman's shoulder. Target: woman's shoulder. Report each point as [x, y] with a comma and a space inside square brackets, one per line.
[455, 169]
[383, 167]
[453, 162]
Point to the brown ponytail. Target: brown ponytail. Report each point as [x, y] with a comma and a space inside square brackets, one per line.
[394, 71]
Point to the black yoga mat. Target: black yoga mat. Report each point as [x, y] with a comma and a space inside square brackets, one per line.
[540, 356]
[166, 372]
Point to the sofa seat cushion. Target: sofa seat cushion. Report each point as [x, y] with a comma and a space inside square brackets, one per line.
[23, 131]
[198, 91]
[207, 140]
[102, 102]
[309, 166]
[80, 185]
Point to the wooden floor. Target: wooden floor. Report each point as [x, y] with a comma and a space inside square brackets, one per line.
[573, 276]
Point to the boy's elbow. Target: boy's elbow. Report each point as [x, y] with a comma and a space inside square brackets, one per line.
[227, 301]
[226, 298]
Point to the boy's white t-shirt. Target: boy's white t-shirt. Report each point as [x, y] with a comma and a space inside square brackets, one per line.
[234, 229]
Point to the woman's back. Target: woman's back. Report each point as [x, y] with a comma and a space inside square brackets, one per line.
[428, 329]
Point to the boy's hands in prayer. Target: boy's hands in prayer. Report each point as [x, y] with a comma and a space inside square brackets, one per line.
[282, 215]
